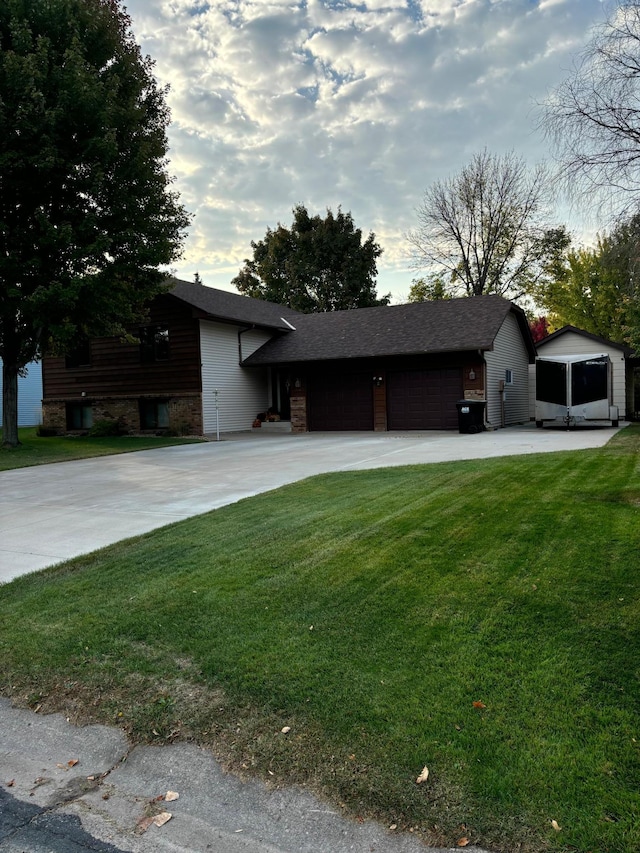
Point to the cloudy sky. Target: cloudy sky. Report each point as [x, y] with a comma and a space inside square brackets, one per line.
[336, 103]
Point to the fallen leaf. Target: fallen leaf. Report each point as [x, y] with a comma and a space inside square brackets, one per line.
[162, 818]
[463, 842]
[144, 823]
[10, 783]
[285, 730]
[72, 763]
[393, 826]
[170, 796]
[423, 776]
[554, 824]
[479, 705]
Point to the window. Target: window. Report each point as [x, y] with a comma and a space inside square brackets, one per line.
[154, 344]
[154, 414]
[80, 356]
[79, 416]
[508, 377]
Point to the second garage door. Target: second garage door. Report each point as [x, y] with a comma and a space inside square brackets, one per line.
[423, 399]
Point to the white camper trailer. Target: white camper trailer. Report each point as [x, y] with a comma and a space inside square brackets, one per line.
[574, 389]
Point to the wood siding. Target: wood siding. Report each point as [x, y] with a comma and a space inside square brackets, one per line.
[571, 343]
[29, 395]
[117, 370]
[509, 353]
[242, 392]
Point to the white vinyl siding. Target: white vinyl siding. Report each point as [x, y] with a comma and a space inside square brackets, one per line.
[509, 354]
[571, 343]
[242, 392]
[29, 395]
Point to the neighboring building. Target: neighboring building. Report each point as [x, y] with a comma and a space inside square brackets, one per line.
[570, 340]
[399, 367]
[29, 395]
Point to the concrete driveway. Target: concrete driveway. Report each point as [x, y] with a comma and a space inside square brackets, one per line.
[51, 513]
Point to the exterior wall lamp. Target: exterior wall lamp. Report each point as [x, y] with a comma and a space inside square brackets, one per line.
[377, 381]
[472, 374]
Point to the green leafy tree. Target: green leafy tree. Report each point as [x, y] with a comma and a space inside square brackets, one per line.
[428, 289]
[484, 228]
[316, 265]
[87, 214]
[598, 289]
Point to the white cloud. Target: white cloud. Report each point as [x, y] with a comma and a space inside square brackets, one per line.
[331, 102]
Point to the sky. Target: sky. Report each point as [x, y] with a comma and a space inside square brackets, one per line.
[358, 105]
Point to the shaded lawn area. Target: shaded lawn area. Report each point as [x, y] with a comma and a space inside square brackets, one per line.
[35, 450]
[480, 618]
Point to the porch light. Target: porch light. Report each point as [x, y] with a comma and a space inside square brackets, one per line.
[472, 374]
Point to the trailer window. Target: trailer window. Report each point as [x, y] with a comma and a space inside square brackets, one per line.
[589, 381]
[551, 382]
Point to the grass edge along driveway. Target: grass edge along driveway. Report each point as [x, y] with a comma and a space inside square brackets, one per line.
[479, 618]
[37, 450]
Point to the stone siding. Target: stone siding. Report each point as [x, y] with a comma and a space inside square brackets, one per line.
[185, 412]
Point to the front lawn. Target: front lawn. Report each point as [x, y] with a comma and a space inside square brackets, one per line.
[478, 618]
[36, 450]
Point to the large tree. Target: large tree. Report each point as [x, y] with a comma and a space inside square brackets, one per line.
[597, 289]
[319, 264]
[484, 230]
[87, 213]
[593, 117]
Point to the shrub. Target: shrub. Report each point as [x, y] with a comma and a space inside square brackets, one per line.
[105, 428]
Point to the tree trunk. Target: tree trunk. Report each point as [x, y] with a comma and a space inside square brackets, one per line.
[9, 405]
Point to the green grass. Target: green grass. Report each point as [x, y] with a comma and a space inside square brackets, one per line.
[34, 450]
[368, 611]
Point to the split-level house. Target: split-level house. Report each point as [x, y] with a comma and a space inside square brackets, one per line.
[209, 360]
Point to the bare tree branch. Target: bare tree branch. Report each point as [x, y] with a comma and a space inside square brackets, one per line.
[484, 227]
[593, 119]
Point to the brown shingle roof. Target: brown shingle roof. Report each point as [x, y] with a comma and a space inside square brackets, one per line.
[232, 307]
[471, 323]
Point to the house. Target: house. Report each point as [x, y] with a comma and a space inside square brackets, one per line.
[404, 367]
[207, 359]
[29, 395]
[191, 346]
[570, 340]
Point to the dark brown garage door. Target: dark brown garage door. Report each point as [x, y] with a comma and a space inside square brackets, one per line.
[342, 402]
[423, 399]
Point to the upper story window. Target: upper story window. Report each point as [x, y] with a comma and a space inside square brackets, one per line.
[154, 344]
[508, 377]
[80, 356]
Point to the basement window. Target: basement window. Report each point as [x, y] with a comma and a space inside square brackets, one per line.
[79, 416]
[154, 414]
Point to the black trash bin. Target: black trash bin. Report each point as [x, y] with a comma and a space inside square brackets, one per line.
[470, 415]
